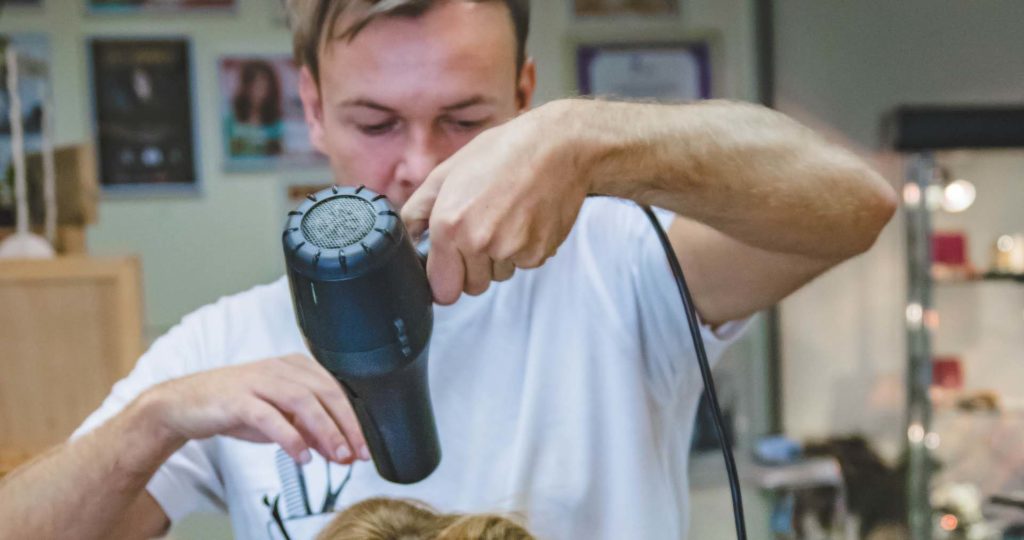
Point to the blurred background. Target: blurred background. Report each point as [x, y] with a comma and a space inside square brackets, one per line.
[881, 401]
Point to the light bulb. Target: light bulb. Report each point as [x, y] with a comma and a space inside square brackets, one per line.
[958, 196]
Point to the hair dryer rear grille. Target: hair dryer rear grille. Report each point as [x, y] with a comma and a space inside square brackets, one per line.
[338, 222]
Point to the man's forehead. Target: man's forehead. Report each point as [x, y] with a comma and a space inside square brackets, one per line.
[455, 45]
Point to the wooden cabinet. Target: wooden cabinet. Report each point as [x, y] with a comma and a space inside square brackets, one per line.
[69, 329]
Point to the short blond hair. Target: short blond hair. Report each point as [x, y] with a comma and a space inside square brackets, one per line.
[396, 519]
[314, 23]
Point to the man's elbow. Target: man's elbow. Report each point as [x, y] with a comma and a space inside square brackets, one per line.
[874, 210]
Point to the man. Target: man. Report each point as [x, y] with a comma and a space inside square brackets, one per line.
[566, 392]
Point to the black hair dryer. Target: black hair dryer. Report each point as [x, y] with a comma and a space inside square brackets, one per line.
[364, 304]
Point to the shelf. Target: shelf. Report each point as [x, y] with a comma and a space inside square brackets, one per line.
[988, 276]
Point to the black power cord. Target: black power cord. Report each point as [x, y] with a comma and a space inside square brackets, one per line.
[705, 372]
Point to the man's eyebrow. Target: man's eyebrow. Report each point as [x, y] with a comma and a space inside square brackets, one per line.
[363, 102]
[466, 103]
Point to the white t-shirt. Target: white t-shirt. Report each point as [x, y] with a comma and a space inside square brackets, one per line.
[566, 395]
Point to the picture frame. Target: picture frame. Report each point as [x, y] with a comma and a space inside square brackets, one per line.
[667, 71]
[34, 89]
[107, 7]
[143, 107]
[263, 124]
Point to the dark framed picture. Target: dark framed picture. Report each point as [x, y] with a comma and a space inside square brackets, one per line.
[172, 6]
[598, 8]
[263, 121]
[34, 90]
[663, 71]
[142, 103]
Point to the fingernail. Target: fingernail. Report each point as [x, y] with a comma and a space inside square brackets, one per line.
[305, 457]
[364, 453]
[342, 453]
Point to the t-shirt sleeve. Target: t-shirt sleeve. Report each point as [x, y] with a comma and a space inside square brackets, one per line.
[188, 481]
[670, 360]
[665, 330]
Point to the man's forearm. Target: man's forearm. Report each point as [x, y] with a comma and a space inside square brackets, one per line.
[745, 170]
[82, 489]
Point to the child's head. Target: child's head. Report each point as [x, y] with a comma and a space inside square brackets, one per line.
[391, 519]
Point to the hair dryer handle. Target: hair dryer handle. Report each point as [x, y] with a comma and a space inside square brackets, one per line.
[397, 420]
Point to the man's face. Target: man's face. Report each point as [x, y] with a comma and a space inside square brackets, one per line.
[406, 93]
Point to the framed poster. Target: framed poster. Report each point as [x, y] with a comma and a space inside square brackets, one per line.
[663, 71]
[173, 6]
[264, 125]
[591, 8]
[142, 105]
[34, 89]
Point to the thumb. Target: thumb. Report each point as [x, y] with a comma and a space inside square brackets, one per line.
[416, 211]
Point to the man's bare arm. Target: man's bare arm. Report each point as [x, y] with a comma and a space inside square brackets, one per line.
[93, 487]
[767, 204]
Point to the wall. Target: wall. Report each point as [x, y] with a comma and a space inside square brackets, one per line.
[195, 249]
[840, 66]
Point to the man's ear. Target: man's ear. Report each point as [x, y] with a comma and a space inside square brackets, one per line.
[313, 109]
[527, 84]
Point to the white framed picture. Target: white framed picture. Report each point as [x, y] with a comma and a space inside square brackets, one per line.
[662, 71]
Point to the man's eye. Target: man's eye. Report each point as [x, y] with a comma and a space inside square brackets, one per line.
[468, 125]
[378, 129]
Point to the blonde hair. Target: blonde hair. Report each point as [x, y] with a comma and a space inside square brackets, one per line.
[313, 23]
[394, 519]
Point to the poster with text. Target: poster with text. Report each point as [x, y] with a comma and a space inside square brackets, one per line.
[263, 121]
[33, 51]
[142, 94]
[591, 8]
[665, 72]
[131, 6]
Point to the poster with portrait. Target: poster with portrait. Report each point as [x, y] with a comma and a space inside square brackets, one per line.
[599, 8]
[142, 102]
[662, 71]
[263, 121]
[133, 6]
[34, 89]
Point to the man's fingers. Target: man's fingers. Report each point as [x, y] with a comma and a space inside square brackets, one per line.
[269, 421]
[445, 270]
[478, 273]
[328, 390]
[309, 415]
[503, 270]
[416, 211]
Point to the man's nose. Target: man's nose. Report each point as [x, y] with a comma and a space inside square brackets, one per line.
[423, 152]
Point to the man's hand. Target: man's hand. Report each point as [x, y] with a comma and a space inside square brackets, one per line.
[292, 401]
[506, 200]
